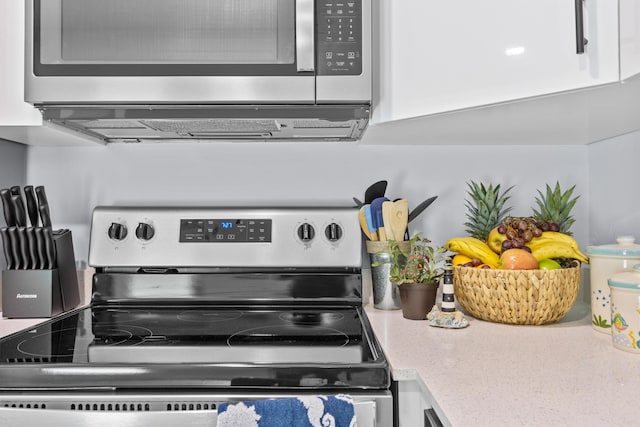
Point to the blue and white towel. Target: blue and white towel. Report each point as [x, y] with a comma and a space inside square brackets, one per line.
[307, 411]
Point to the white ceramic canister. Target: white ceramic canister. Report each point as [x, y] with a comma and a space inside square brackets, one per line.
[605, 261]
[625, 310]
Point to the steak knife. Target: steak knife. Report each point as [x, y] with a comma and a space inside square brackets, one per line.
[23, 247]
[34, 262]
[18, 210]
[7, 207]
[6, 246]
[15, 250]
[32, 205]
[40, 248]
[49, 249]
[43, 206]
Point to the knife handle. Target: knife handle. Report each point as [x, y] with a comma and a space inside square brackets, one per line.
[7, 207]
[19, 212]
[43, 206]
[32, 205]
[23, 247]
[34, 263]
[15, 249]
[40, 248]
[49, 249]
[15, 190]
[6, 246]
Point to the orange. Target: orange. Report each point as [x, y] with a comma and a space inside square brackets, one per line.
[460, 259]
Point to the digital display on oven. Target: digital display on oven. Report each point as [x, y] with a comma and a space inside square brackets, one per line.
[225, 230]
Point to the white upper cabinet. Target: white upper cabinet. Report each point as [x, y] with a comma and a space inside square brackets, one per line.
[443, 55]
[13, 110]
[629, 38]
[20, 121]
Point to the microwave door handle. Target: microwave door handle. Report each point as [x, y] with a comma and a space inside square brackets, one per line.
[305, 42]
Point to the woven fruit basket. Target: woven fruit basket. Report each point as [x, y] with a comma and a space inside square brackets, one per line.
[520, 297]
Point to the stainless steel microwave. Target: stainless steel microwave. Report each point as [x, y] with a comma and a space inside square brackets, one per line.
[201, 68]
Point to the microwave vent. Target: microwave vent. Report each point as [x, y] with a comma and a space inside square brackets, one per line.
[185, 127]
[324, 124]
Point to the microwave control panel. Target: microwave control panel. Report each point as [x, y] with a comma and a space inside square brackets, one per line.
[339, 37]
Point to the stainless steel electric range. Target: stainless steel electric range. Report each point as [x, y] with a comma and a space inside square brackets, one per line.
[196, 306]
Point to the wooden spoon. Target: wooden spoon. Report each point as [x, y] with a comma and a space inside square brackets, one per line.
[398, 218]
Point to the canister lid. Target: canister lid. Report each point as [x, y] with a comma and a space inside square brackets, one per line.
[626, 279]
[625, 247]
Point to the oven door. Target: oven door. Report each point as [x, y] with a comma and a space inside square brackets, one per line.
[370, 411]
[170, 51]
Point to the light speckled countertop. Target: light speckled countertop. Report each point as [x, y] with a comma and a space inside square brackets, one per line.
[563, 374]
[9, 326]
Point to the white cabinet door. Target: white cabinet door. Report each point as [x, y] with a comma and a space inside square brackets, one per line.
[444, 55]
[13, 110]
[20, 121]
[629, 38]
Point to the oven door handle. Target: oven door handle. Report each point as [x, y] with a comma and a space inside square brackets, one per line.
[305, 37]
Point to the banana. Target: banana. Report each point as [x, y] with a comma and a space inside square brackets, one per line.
[557, 250]
[552, 244]
[555, 236]
[474, 248]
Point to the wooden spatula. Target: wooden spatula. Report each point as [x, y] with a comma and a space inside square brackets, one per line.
[388, 211]
[398, 218]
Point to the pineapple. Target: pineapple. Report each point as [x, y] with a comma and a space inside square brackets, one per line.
[486, 209]
[555, 207]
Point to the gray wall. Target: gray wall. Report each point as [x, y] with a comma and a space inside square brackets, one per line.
[614, 179]
[13, 167]
[77, 179]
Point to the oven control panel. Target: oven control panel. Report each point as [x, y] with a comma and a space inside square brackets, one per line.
[225, 230]
[174, 237]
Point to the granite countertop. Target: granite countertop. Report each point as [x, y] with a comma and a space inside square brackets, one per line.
[563, 374]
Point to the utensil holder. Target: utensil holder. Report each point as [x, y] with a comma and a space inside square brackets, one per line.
[386, 295]
[43, 293]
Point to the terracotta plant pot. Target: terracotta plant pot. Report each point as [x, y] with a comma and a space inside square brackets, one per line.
[417, 299]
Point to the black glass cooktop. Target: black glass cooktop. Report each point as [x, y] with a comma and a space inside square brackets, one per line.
[193, 335]
[228, 345]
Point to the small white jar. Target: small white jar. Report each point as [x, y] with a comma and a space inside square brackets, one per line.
[625, 310]
[605, 261]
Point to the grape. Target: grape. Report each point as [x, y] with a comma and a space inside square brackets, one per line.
[527, 248]
[502, 229]
[537, 232]
[554, 227]
[507, 244]
[527, 236]
[544, 226]
[522, 225]
[511, 234]
[476, 262]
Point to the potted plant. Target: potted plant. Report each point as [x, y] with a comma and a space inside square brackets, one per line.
[417, 272]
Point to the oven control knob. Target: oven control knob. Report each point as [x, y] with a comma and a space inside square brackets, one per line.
[306, 232]
[117, 231]
[333, 232]
[145, 231]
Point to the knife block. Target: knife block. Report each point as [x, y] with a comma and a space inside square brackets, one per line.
[43, 293]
